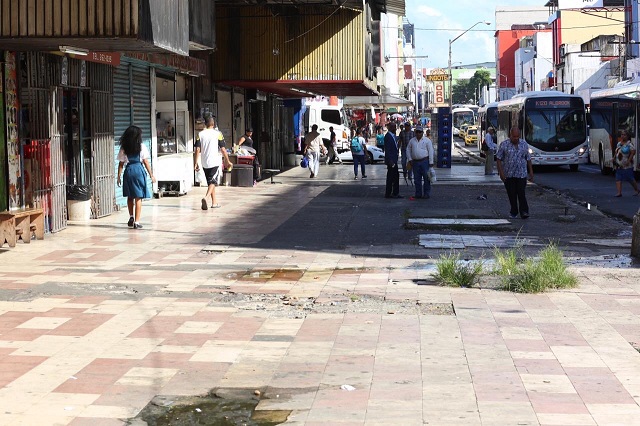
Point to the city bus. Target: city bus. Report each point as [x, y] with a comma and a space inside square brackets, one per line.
[459, 116]
[553, 124]
[487, 117]
[619, 101]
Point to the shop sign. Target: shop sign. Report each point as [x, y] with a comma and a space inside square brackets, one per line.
[187, 64]
[109, 58]
[437, 77]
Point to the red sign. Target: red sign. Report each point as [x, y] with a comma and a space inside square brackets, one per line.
[408, 72]
[109, 58]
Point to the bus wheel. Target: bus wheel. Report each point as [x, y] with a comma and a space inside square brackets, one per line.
[573, 167]
[604, 170]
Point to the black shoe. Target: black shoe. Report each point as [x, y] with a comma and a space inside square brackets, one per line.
[137, 226]
[397, 196]
[130, 223]
[524, 215]
[364, 176]
[387, 196]
[204, 204]
[426, 196]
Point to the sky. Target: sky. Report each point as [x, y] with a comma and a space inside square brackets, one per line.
[437, 21]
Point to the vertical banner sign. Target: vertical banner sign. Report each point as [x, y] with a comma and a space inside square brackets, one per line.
[439, 97]
[13, 142]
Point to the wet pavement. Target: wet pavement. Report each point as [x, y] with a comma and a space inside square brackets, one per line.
[300, 288]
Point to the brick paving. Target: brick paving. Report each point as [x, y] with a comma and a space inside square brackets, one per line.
[98, 319]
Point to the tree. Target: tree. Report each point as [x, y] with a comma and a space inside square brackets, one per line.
[461, 93]
[466, 91]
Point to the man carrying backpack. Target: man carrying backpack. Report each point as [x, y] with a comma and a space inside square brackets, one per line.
[358, 150]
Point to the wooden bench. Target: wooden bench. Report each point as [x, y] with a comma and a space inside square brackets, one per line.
[16, 224]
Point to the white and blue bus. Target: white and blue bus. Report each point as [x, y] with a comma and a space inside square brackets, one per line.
[487, 117]
[610, 111]
[460, 116]
[553, 123]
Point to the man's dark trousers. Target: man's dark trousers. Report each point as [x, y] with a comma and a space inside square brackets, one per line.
[516, 192]
[393, 181]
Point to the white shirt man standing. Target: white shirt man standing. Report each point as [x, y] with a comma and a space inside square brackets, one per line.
[211, 147]
[420, 155]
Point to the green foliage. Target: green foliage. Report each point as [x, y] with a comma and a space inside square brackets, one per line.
[534, 275]
[466, 91]
[454, 272]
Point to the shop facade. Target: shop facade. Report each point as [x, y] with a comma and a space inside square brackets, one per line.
[58, 130]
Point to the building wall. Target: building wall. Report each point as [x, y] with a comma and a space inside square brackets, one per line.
[507, 43]
[390, 27]
[506, 16]
[577, 27]
[253, 44]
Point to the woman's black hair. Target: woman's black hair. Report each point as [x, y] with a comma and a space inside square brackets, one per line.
[131, 140]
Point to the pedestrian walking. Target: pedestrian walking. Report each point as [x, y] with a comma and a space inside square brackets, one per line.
[514, 167]
[313, 150]
[392, 190]
[358, 152]
[333, 144]
[420, 157]
[625, 151]
[406, 134]
[380, 137]
[489, 148]
[135, 155]
[211, 149]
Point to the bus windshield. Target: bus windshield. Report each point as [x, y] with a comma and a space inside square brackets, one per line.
[461, 117]
[555, 126]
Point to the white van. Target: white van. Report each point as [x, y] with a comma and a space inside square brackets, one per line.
[326, 116]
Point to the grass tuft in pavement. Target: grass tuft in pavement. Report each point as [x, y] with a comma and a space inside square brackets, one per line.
[534, 275]
[454, 272]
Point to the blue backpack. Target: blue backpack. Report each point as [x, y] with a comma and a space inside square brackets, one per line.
[356, 147]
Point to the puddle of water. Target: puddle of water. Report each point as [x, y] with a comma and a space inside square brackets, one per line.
[210, 411]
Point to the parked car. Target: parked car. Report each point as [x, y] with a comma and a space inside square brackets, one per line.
[471, 135]
[373, 154]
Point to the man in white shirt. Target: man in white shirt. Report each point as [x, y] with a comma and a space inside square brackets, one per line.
[211, 147]
[420, 156]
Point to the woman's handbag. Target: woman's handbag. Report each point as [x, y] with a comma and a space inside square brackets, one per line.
[305, 162]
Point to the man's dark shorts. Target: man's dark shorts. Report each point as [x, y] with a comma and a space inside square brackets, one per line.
[211, 175]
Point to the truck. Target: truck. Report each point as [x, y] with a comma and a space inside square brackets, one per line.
[326, 116]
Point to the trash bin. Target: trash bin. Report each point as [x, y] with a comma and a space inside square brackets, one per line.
[242, 175]
[79, 202]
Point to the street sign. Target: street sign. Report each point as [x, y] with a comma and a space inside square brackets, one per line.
[437, 77]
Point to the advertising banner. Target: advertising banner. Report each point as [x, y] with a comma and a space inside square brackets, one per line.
[579, 4]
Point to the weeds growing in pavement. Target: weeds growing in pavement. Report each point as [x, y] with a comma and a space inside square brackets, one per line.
[454, 272]
[534, 275]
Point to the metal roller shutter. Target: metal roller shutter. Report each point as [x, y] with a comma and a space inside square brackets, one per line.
[132, 105]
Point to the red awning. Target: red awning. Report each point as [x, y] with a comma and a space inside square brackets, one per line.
[307, 88]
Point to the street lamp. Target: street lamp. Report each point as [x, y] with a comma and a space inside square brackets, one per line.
[450, 43]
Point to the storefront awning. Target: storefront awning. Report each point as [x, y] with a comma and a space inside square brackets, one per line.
[379, 102]
[307, 88]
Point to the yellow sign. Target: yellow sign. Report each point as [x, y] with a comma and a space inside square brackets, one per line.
[437, 77]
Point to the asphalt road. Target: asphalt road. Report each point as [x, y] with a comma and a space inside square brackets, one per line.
[586, 185]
